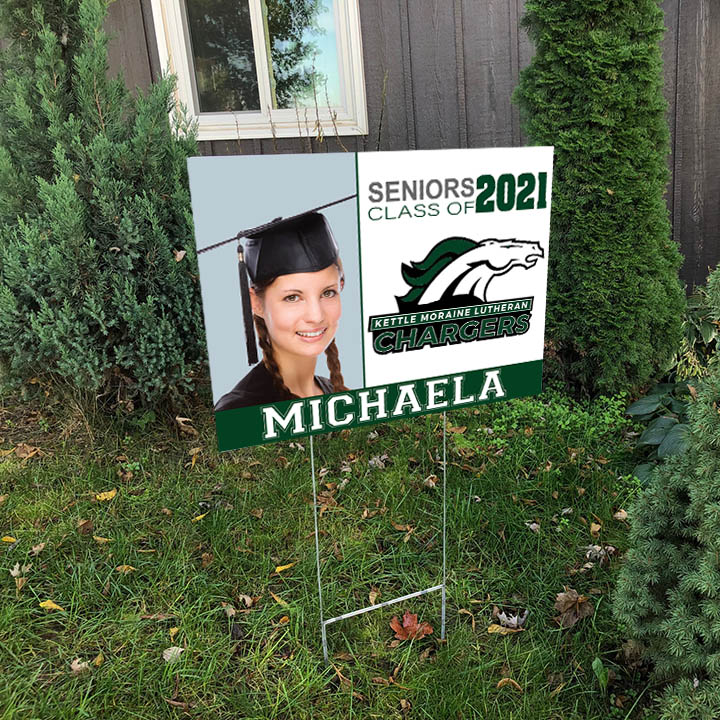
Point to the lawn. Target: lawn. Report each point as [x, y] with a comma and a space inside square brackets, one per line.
[185, 555]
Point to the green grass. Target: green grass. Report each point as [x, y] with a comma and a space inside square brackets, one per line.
[514, 463]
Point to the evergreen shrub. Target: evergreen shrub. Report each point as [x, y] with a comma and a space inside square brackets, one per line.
[668, 593]
[98, 285]
[594, 91]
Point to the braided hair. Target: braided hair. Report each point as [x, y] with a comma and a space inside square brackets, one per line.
[331, 351]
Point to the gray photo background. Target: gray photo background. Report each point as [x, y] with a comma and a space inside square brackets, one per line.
[234, 193]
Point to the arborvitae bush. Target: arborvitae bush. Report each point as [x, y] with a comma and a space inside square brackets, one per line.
[94, 214]
[668, 594]
[594, 91]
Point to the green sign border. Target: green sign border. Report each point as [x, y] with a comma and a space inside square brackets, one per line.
[243, 427]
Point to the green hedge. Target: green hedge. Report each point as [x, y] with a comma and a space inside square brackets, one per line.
[98, 275]
[668, 594]
[594, 91]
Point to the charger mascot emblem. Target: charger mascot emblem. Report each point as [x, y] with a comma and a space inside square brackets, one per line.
[458, 271]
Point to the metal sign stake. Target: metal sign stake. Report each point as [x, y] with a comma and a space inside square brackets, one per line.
[442, 587]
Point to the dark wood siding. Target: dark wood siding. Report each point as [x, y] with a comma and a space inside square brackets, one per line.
[440, 74]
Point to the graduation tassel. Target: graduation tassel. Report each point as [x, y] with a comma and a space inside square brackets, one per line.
[247, 307]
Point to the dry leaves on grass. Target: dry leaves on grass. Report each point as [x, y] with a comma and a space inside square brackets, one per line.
[378, 461]
[8, 539]
[599, 553]
[621, 515]
[172, 654]
[463, 611]
[510, 619]
[37, 549]
[106, 496]
[50, 605]
[25, 451]
[572, 608]
[85, 527]
[78, 667]
[409, 628]
[18, 574]
[184, 424]
[278, 599]
[124, 569]
[509, 682]
[495, 629]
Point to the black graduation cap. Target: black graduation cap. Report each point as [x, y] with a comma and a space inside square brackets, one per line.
[301, 243]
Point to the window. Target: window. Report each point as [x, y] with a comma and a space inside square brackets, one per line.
[258, 68]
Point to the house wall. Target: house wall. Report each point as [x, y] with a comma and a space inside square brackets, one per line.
[440, 74]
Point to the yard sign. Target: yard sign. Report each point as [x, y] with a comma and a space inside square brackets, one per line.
[445, 258]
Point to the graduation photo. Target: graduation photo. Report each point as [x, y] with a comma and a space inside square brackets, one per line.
[278, 255]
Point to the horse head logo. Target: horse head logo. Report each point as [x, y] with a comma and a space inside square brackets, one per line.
[458, 271]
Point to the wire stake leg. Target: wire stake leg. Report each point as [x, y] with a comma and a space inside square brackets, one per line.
[317, 552]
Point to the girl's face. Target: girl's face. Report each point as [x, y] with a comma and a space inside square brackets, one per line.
[301, 311]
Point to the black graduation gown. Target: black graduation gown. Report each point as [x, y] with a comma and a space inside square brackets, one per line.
[258, 388]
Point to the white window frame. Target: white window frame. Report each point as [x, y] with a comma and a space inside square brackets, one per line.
[350, 118]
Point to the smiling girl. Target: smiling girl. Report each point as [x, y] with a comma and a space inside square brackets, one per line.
[296, 277]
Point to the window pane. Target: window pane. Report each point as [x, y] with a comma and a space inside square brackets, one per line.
[304, 53]
[222, 50]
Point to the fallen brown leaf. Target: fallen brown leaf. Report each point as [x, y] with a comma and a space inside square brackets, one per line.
[572, 608]
[595, 529]
[37, 549]
[409, 628]
[343, 680]
[185, 426]
[157, 616]
[25, 451]
[230, 611]
[495, 629]
[179, 704]
[508, 681]
[206, 559]
[621, 515]
[50, 605]
[78, 667]
[463, 611]
[278, 599]
[85, 527]
[172, 654]
[124, 569]
[179, 255]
